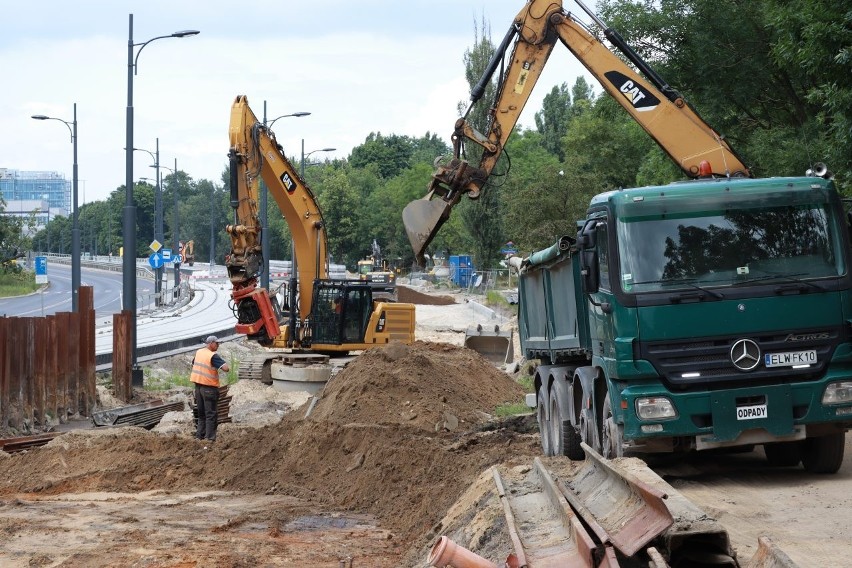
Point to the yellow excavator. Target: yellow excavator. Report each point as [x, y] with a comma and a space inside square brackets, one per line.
[314, 315]
[375, 270]
[187, 253]
[656, 106]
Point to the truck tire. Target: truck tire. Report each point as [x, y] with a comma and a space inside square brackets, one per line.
[612, 438]
[589, 430]
[564, 438]
[823, 454]
[542, 403]
[783, 454]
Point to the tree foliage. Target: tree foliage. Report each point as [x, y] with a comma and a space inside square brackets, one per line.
[773, 76]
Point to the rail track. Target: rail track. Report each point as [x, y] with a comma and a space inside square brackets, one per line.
[602, 514]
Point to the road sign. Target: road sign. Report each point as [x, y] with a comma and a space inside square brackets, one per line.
[156, 260]
[155, 245]
[177, 259]
[167, 254]
[41, 270]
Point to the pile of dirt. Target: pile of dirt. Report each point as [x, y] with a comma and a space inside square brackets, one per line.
[410, 296]
[399, 434]
[429, 386]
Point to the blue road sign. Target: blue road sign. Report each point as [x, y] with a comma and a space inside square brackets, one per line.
[41, 270]
[167, 254]
[155, 260]
[177, 259]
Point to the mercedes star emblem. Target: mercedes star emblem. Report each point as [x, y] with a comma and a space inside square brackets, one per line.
[745, 354]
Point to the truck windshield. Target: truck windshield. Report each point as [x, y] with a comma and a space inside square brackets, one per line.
[727, 248]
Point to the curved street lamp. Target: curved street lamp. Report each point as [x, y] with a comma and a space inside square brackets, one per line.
[302, 166]
[129, 218]
[75, 228]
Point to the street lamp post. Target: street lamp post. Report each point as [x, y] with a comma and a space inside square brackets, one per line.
[75, 228]
[264, 207]
[129, 218]
[175, 237]
[308, 155]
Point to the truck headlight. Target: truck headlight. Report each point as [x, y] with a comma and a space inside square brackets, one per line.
[655, 408]
[838, 393]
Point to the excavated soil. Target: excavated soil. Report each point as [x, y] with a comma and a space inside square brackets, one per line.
[396, 437]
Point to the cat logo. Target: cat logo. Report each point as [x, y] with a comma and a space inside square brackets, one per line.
[639, 98]
[288, 182]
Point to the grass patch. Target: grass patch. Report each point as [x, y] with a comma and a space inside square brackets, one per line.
[496, 299]
[181, 380]
[516, 408]
[17, 283]
[513, 409]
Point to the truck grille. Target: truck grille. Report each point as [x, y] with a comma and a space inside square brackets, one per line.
[711, 360]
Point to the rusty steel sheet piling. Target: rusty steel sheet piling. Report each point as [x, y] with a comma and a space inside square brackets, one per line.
[145, 415]
[618, 507]
[23, 443]
[545, 532]
[47, 367]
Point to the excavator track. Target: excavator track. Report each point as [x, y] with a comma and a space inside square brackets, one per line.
[257, 367]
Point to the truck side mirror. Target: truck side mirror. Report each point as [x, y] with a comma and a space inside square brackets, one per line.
[587, 238]
[589, 271]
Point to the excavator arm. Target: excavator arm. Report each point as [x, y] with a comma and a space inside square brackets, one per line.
[697, 149]
[255, 154]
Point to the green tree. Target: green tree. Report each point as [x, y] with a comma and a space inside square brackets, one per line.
[482, 216]
[777, 83]
[341, 218]
[552, 120]
[391, 154]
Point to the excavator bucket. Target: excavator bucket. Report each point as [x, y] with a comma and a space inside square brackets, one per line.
[494, 344]
[422, 219]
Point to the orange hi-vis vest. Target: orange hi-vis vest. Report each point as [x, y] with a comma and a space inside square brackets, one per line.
[203, 371]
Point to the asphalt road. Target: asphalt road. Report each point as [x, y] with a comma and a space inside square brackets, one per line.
[56, 296]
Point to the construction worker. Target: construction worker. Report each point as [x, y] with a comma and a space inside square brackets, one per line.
[205, 374]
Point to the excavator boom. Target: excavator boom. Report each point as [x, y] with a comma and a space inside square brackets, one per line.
[695, 147]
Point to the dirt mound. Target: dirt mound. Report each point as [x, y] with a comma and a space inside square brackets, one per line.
[370, 445]
[410, 296]
[430, 386]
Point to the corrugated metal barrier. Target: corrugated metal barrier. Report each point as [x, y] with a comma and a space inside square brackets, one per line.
[47, 367]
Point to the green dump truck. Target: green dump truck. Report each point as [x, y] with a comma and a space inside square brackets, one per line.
[698, 315]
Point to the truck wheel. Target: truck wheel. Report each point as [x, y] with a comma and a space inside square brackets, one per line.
[823, 454]
[588, 430]
[612, 438]
[564, 439]
[783, 454]
[542, 403]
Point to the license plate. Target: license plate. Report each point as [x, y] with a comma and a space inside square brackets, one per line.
[752, 412]
[790, 359]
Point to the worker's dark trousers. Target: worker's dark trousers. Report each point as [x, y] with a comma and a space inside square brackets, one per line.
[206, 401]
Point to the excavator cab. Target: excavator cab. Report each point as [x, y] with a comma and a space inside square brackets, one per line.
[341, 310]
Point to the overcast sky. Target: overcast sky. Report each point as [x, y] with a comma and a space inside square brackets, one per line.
[359, 66]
